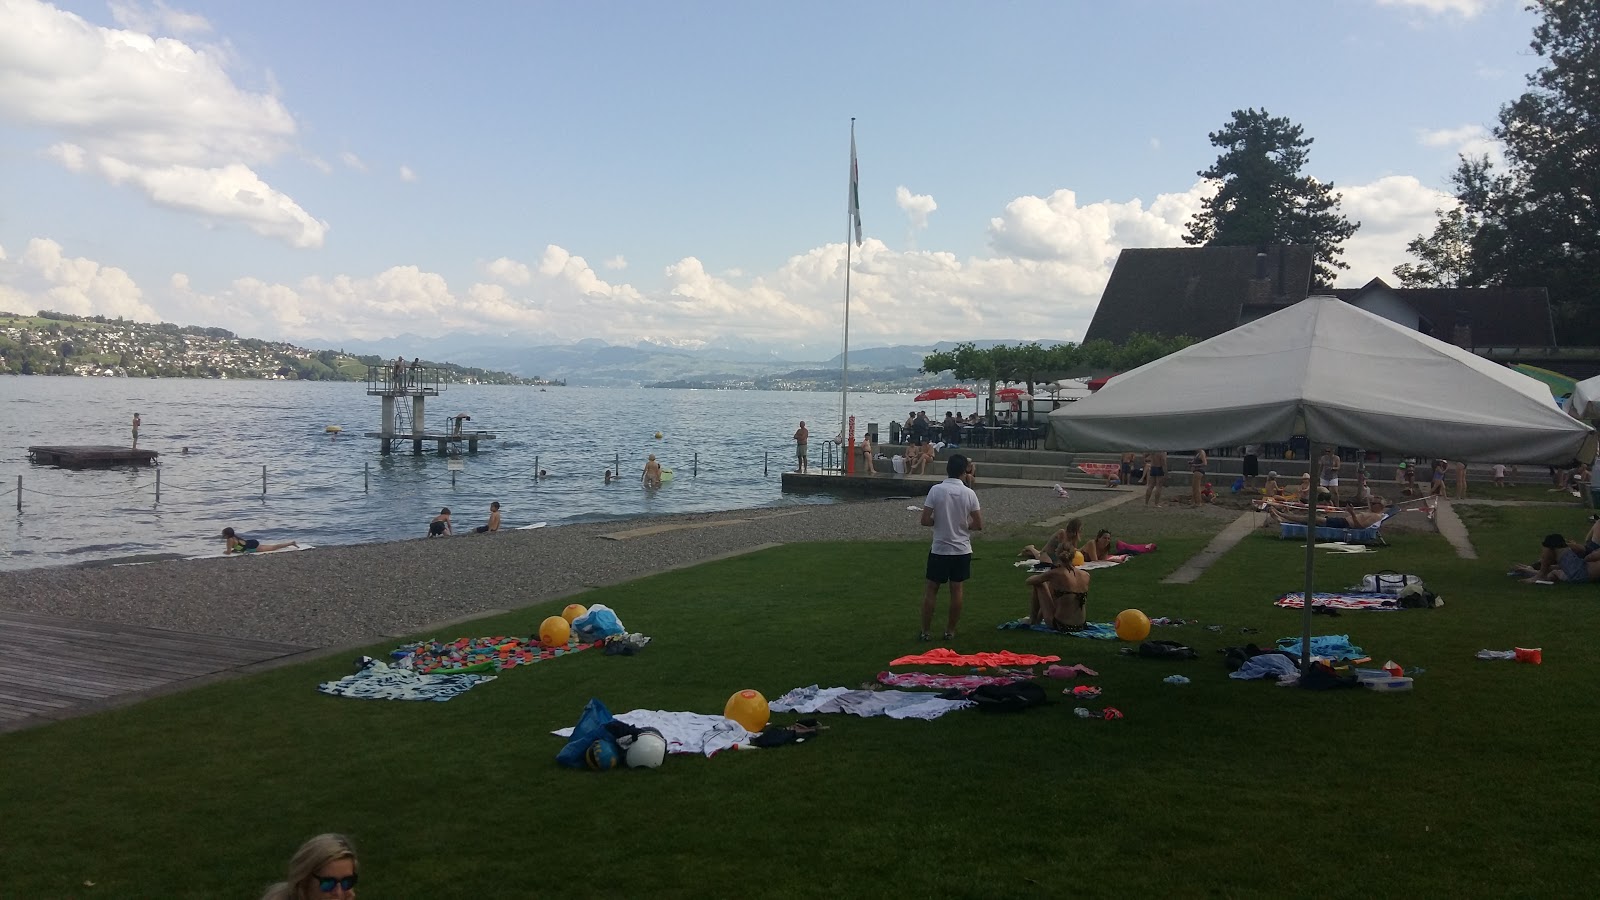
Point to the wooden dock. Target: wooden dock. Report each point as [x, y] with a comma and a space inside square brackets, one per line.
[56, 668]
[88, 457]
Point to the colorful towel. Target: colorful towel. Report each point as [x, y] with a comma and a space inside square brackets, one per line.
[1296, 600]
[947, 657]
[945, 682]
[1072, 671]
[1097, 631]
[1327, 646]
[685, 732]
[381, 681]
[481, 654]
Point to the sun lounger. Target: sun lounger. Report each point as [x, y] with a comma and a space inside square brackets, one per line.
[1367, 535]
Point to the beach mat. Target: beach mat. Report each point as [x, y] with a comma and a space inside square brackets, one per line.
[221, 555]
[1351, 601]
[1096, 631]
[531, 527]
[480, 654]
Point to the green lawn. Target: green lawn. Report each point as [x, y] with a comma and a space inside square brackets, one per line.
[1478, 782]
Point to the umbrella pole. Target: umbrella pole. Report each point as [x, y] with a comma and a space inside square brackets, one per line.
[1311, 561]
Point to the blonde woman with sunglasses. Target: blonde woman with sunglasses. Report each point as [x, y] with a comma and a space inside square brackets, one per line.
[324, 868]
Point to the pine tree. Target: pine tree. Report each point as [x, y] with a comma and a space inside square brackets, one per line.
[1262, 197]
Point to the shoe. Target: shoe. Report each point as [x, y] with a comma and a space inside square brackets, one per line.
[924, 636]
[949, 635]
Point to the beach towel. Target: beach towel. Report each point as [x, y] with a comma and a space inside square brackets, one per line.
[381, 681]
[1108, 562]
[867, 704]
[1328, 646]
[220, 554]
[685, 732]
[1296, 600]
[945, 682]
[946, 657]
[489, 654]
[1097, 631]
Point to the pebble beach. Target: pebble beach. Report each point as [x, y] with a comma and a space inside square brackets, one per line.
[347, 595]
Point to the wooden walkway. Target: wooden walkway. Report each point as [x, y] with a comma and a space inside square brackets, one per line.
[56, 668]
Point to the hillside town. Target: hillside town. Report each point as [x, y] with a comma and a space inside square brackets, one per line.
[53, 343]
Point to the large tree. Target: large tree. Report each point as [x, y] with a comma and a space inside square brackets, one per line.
[1263, 198]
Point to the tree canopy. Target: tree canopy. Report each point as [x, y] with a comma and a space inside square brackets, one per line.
[1537, 223]
[1262, 197]
[1033, 365]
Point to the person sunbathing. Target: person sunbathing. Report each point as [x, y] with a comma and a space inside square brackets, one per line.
[1102, 547]
[1562, 560]
[1059, 598]
[236, 544]
[1350, 518]
[1063, 543]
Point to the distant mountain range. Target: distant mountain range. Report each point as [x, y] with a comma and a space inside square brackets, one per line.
[595, 362]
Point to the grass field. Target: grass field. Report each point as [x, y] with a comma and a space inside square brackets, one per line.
[1479, 782]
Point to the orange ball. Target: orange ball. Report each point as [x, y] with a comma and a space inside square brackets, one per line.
[1133, 625]
[554, 632]
[573, 611]
[749, 709]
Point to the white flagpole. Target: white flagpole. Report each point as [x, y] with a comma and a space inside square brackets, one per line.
[844, 375]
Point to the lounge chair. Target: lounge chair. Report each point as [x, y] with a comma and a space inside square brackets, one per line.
[1367, 535]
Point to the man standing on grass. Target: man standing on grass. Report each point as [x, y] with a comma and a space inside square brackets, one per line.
[952, 511]
[1328, 470]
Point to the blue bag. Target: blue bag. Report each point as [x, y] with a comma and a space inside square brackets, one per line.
[598, 623]
[590, 728]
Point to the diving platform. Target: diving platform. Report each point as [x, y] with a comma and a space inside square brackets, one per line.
[443, 441]
[91, 456]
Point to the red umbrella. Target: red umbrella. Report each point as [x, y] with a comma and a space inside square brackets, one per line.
[945, 393]
[1009, 394]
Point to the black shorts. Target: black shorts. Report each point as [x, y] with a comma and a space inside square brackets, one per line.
[942, 568]
[1336, 522]
[482, 529]
[1252, 467]
[1125, 472]
[435, 529]
[1158, 471]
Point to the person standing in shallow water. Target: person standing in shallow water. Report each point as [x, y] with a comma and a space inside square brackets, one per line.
[135, 431]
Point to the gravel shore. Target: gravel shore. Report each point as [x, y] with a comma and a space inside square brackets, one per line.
[337, 596]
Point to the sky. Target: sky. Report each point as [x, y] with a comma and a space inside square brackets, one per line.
[321, 172]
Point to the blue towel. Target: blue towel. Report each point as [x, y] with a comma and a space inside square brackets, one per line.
[1267, 665]
[1332, 646]
[1098, 631]
[380, 681]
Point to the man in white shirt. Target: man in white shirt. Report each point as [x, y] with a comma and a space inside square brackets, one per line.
[952, 511]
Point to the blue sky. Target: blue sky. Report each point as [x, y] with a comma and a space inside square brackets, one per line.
[326, 171]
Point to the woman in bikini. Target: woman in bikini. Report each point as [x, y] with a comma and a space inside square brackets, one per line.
[236, 544]
[1099, 548]
[1063, 543]
[1059, 598]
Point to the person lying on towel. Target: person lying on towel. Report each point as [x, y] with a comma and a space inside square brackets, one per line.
[1563, 560]
[1350, 518]
[1063, 543]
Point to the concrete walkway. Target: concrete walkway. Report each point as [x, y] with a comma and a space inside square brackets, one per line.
[1121, 496]
[1222, 543]
[1449, 525]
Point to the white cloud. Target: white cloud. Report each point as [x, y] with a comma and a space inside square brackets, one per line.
[150, 112]
[1467, 140]
[406, 174]
[917, 207]
[616, 263]
[1057, 229]
[509, 271]
[1466, 9]
[1155, 145]
[44, 277]
[320, 164]
[353, 161]
[158, 17]
[1391, 211]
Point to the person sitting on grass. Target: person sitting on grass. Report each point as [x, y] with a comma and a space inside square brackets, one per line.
[1562, 560]
[1059, 598]
[494, 520]
[235, 544]
[439, 526]
[1064, 543]
[323, 867]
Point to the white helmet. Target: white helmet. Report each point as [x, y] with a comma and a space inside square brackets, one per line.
[648, 750]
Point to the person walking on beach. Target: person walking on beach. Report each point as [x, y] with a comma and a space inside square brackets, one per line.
[652, 472]
[952, 511]
[494, 520]
[233, 543]
[1461, 480]
[439, 526]
[1155, 476]
[135, 431]
[1328, 471]
[801, 436]
[1197, 475]
[1251, 468]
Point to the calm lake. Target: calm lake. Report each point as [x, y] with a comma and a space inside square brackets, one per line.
[340, 491]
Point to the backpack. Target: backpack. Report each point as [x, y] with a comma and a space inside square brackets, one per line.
[1387, 582]
[1165, 650]
[1013, 697]
[1415, 596]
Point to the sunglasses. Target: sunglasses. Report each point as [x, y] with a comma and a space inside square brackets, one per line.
[329, 885]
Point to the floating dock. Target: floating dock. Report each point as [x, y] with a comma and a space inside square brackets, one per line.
[418, 383]
[91, 457]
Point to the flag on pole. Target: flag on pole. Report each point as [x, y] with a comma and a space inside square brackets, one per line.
[855, 186]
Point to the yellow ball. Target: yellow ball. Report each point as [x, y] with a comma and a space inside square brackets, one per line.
[658, 435]
[573, 611]
[554, 631]
[1077, 557]
[1133, 625]
[749, 709]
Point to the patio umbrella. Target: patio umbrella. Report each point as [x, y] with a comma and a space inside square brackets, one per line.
[1340, 376]
[945, 393]
[1585, 402]
[1009, 394]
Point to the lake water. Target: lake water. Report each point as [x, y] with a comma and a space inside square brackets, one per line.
[315, 491]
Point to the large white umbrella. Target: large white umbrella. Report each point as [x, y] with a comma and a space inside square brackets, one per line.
[1339, 376]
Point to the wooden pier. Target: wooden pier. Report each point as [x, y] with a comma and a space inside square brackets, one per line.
[89, 457]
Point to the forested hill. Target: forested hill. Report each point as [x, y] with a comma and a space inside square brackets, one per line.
[52, 343]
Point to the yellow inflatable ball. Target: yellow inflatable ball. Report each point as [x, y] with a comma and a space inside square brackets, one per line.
[1133, 625]
[1077, 557]
[573, 611]
[749, 709]
[554, 631]
[658, 435]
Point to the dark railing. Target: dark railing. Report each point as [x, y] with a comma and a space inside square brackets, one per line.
[411, 381]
